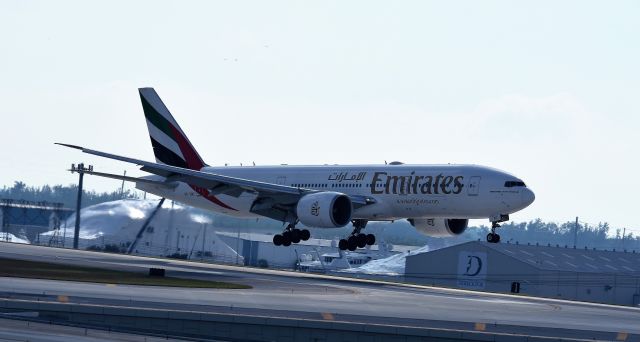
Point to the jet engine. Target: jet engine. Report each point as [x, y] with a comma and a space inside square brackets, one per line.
[325, 210]
[438, 227]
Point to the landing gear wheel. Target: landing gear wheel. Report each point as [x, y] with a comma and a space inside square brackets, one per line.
[493, 238]
[295, 235]
[352, 243]
[278, 239]
[343, 244]
[286, 239]
[305, 235]
[357, 239]
[371, 239]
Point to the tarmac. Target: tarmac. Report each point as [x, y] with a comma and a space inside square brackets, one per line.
[308, 296]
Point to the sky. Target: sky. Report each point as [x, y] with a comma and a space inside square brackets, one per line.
[546, 90]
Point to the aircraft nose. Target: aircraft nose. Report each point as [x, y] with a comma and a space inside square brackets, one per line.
[527, 197]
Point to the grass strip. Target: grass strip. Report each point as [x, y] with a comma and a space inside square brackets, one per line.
[53, 271]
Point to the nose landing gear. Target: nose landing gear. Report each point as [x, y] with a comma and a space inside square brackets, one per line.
[493, 237]
[357, 239]
[291, 235]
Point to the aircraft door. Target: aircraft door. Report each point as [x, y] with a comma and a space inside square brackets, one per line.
[281, 180]
[474, 186]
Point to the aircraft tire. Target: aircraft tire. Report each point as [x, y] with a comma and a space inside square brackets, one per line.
[493, 238]
[371, 239]
[362, 240]
[343, 244]
[277, 240]
[305, 235]
[353, 243]
[286, 238]
[295, 235]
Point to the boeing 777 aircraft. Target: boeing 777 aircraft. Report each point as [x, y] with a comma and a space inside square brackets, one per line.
[438, 200]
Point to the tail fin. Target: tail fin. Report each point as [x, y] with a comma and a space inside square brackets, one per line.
[170, 145]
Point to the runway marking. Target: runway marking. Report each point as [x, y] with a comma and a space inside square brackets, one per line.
[327, 316]
[555, 307]
[622, 336]
[63, 299]
[480, 327]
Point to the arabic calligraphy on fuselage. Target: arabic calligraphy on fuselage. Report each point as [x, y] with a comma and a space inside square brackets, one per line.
[386, 183]
[345, 176]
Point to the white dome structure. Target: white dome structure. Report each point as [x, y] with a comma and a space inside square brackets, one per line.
[175, 230]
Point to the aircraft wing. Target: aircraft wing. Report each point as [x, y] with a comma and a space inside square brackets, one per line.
[271, 200]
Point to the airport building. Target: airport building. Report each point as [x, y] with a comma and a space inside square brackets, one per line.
[590, 275]
[24, 220]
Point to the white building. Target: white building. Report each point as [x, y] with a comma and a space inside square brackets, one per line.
[175, 230]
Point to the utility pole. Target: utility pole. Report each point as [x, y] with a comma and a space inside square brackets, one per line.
[122, 187]
[80, 170]
[575, 234]
[624, 233]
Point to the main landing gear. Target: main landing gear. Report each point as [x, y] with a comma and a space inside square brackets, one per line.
[357, 239]
[493, 237]
[291, 235]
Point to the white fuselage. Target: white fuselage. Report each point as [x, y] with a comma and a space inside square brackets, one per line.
[400, 191]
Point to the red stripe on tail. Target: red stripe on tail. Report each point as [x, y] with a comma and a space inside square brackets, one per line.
[194, 162]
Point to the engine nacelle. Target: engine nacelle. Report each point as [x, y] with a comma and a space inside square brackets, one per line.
[437, 227]
[325, 210]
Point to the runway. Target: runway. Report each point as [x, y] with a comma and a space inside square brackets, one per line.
[295, 295]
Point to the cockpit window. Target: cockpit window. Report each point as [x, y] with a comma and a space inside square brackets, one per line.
[511, 184]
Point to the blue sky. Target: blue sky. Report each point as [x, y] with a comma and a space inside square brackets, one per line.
[547, 90]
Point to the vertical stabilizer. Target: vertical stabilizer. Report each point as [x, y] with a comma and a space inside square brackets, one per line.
[170, 145]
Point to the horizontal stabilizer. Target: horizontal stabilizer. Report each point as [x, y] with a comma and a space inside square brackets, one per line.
[170, 185]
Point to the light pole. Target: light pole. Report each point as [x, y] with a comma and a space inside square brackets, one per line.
[80, 170]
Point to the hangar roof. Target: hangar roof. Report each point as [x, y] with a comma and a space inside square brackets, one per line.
[569, 259]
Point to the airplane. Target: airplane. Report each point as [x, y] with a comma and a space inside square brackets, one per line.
[438, 200]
